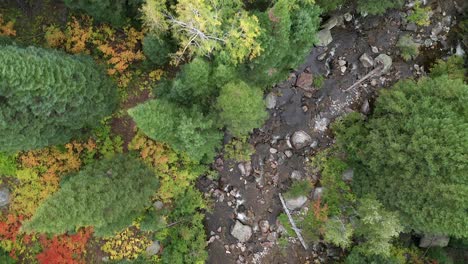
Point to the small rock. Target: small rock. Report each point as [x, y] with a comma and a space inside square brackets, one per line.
[245, 168]
[4, 196]
[348, 175]
[105, 259]
[459, 51]
[348, 17]
[295, 203]
[324, 37]
[264, 226]
[305, 108]
[300, 139]
[270, 101]
[273, 151]
[318, 193]
[365, 108]
[341, 62]
[385, 60]
[437, 29]
[153, 249]
[158, 205]
[288, 153]
[374, 49]
[305, 80]
[321, 124]
[322, 56]
[272, 237]
[219, 229]
[296, 175]
[333, 22]
[434, 241]
[241, 168]
[366, 60]
[428, 42]
[373, 82]
[411, 27]
[342, 69]
[314, 144]
[241, 232]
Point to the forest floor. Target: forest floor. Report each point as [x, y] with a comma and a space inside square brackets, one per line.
[252, 195]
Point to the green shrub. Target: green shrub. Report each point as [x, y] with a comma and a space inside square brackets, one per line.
[439, 255]
[186, 130]
[116, 12]
[156, 49]
[318, 81]
[412, 153]
[7, 164]
[356, 257]
[420, 15]
[338, 232]
[453, 67]
[378, 7]
[330, 5]
[241, 108]
[408, 48]
[48, 97]
[238, 149]
[299, 188]
[107, 195]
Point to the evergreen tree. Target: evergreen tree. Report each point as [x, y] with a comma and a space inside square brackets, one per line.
[241, 108]
[185, 130]
[48, 97]
[412, 153]
[107, 195]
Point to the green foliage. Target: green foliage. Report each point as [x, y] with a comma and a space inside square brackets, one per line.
[5, 41]
[238, 149]
[377, 227]
[185, 242]
[7, 164]
[408, 48]
[242, 108]
[416, 138]
[116, 12]
[48, 97]
[378, 7]
[420, 15]
[338, 233]
[318, 81]
[202, 27]
[356, 257]
[5, 257]
[330, 5]
[153, 221]
[453, 67]
[183, 129]
[299, 188]
[107, 195]
[191, 86]
[440, 255]
[157, 49]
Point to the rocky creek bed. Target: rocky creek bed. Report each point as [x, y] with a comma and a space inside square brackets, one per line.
[243, 226]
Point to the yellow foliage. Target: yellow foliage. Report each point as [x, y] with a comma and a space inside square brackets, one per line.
[78, 35]
[156, 75]
[54, 36]
[128, 244]
[7, 28]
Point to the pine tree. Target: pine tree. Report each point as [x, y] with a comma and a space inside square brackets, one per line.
[107, 195]
[48, 97]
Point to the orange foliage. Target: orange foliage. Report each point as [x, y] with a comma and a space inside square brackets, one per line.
[320, 212]
[157, 154]
[54, 37]
[64, 249]
[78, 35]
[9, 228]
[6, 29]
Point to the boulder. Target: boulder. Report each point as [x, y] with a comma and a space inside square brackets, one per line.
[333, 22]
[305, 80]
[4, 196]
[270, 101]
[300, 139]
[241, 232]
[153, 249]
[324, 37]
[434, 241]
[385, 60]
[366, 60]
[365, 108]
[295, 203]
[411, 27]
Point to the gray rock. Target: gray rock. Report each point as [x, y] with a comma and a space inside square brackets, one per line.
[296, 175]
[295, 203]
[324, 37]
[348, 175]
[385, 60]
[437, 29]
[153, 249]
[314, 144]
[411, 27]
[245, 168]
[264, 226]
[333, 22]
[305, 80]
[348, 17]
[318, 193]
[366, 60]
[288, 153]
[4, 196]
[434, 241]
[300, 139]
[428, 42]
[322, 56]
[158, 205]
[365, 108]
[375, 49]
[270, 101]
[459, 50]
[273, 151]
[321, 124]
[241, 232]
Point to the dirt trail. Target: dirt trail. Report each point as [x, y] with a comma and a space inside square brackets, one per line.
[253, 197]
